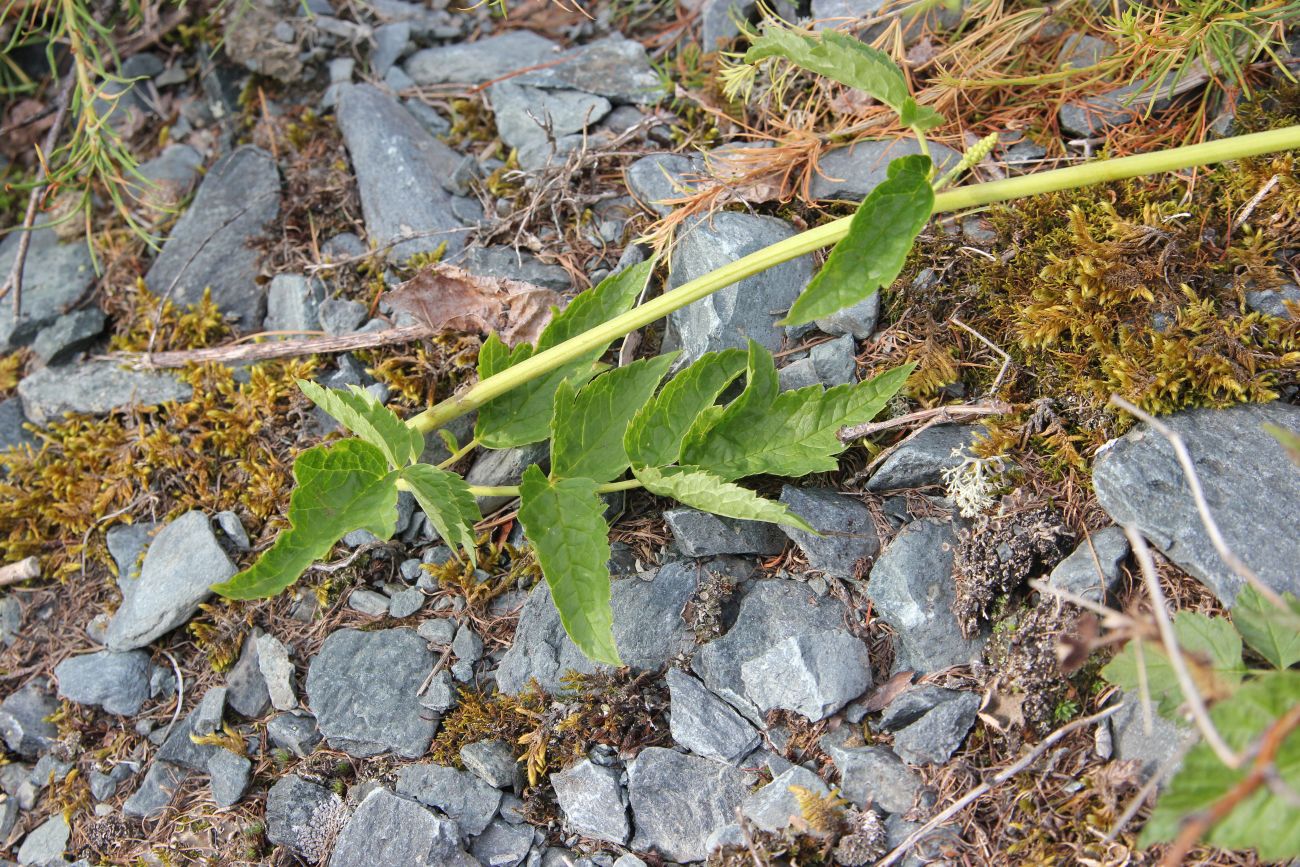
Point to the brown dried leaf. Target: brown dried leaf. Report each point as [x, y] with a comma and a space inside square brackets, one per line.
[446, 297]
[888, 691]
[1001, 711]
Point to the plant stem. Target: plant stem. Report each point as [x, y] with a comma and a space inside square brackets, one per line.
[513, 490]
[459, 453]
[961, 198]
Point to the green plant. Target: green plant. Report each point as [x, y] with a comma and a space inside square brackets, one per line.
[676, 441]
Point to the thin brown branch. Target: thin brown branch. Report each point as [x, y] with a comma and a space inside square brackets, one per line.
[938, 415]
[252, 352]
[23, 570]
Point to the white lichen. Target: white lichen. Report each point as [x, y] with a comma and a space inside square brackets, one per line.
[971, 482]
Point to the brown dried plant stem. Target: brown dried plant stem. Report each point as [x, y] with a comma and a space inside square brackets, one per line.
[251, 352]
[938, 415]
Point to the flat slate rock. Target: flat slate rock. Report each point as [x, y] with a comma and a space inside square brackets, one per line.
[156, 790]
[387, 830]
[814, 674]
[920, 461]
[648, 630]
[744, 311]
[12, 432]
[848, 532]
[1093, 569]
[55, 276]
[484, 60]
[469, 801]
[95, 388]
[400, 170]
[773, 807]
[503, 261]
[1247, 478]
[521, 111]
[656, 178]
[304, 817]
[936, 734]
[702, 534]
[593, 802]
[23, 720]
[877, 776]
[852, 172]
[117, 682]
[913, 589]
[210, 247]
[678, 801]
[183, 562]
[362, 687]
[770, 612]
[705, 724]
[614, 67]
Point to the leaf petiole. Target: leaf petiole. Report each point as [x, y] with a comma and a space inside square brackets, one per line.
[513, 490]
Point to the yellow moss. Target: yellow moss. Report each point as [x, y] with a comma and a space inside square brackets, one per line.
[822, 813]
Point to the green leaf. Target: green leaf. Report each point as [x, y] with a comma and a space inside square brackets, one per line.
[702, 490]
[341, 487]
[588, 427]
[446, 499]
[876, 246]
[918, 116]
[564, 519]
[654, 438]
[1213, 651]
[449, 440]
[361, 413]
[1262, 821]
[836, 56]
[1273, 633]
[790, 433]
[1290, 441]
[523, 414]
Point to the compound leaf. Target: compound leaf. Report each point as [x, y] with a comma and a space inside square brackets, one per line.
[654, 438]
[523, 414]
[446, 499]
[1211, 647]
[1273, 633]
[873, 252]
[790, 433]
[1262, 820]
[341, 487]
[564, 519]
[588, 427]
[702, 490]
[361, 413]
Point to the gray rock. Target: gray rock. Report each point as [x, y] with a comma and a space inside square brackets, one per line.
[292, 304]
[467, 645]
[304, 817]
[54, 277]
[504, 467]
[245, 687]
[507, 263]
[770, 611]
[493, 762]
[229, 775]
[390, 45]
[814, 674]
[705, 724]
[1245, 473]
[391, 831]
[294, 731]
[9, 811]
[503, 844]
[68, 335]
[104, 786]
[369, 602]
[208, 716]
[170, 176]
[210, 245]
[277, 670]
[614, 67]
[921, 460]
[156, 790]
[337, 316]
[933, 847]
[701, 534]
[1092, 116]
[593, 802]
[406, 602]
[1159, 749]
[117, 682]
[837, 13]
[875, 775]
[470, 802]
[23, 722]
[442, 694]
[183, 562]
[477, 62]
[1273, 301]
[773, 806]
[47, 843]
[678, 801]
[828, 364]
[11, 620]
[523, 115]
[656, 178]
[1093, 577]
[852, 172]
[912, 704]
[744, 311]
[233, 530]
[937, 734]
[94, 388]
[399, 169]
[362, 687]
[848, 531]
[913, 589]
[126, 542]
[648, 630]
[439, 630]
[12, 432]
[180, 748]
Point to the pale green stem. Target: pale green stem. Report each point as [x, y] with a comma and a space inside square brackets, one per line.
[513, 490]
[459, 453]
[1096, 172]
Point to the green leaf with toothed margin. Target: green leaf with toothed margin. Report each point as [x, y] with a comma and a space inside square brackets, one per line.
[446, 499]
[361, 413]
[654, 438]
[702, 490]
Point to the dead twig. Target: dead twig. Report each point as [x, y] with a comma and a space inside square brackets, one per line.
[938, 415]
[23, 570]
[248, 352]
[974, 794]
[1006, 359]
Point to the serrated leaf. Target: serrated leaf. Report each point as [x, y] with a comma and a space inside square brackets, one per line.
[836, 56]
[588, 427]
[1213, 652]
[874, 250]
[654, 438]
[446, 499]
[523, 414]
[707, 492]
[1272, 632]
[361, 413]
[789, 433]
[340, 488]
[917, 116]
[1263, 820]
[564, 519]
